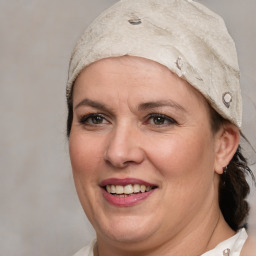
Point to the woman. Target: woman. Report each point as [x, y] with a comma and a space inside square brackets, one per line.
[154, 128]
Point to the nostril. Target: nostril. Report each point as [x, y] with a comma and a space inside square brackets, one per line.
[123, 148]
[118, 164]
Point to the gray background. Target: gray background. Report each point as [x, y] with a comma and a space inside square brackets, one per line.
[39, 210]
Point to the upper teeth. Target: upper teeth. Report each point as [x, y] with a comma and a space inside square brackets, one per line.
[128, 189]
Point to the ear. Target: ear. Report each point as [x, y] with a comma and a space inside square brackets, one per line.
[227, 141]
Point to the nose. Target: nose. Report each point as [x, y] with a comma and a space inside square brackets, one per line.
[124, 147]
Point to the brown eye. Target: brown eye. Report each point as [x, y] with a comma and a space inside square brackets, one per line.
[160, 120]
[96, 119]
[93, 119]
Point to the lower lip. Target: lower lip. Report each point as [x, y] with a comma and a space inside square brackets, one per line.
[127, 200]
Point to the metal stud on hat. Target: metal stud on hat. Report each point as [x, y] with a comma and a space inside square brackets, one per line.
[134, 20]
[179, 63]
[227, 99]
[183, 35]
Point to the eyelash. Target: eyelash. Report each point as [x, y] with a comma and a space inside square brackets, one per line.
[161, 117]
[84, 120]
[90, 119]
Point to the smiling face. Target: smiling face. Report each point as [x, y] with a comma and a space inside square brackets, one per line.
[142, 151]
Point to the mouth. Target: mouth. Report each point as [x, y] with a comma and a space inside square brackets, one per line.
[127, 190]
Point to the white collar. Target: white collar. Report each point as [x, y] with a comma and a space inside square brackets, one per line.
[229, 247]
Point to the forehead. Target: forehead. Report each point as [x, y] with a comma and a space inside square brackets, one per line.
[125, 66]
[134, 77]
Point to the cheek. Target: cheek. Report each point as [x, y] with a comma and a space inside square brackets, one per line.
[85, 161]
[185, 158]
[84, 157]
[186, 167]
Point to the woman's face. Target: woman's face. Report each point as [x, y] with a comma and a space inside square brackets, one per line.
[138, 126]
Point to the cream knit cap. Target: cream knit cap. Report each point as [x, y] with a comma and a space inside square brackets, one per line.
[182, 35]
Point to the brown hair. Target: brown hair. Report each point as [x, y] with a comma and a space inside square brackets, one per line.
[233, 187]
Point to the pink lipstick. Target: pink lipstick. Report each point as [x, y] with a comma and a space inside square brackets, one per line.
[126, 192]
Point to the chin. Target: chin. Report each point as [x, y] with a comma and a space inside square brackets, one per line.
[129, 229]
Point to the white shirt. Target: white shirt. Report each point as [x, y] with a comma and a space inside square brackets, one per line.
[233, 245]
[230, 247]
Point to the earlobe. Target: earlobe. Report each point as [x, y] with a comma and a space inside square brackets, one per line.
[227, 141]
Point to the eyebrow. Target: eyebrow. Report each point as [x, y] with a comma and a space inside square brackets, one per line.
[92, 103]
[161, 103]
[141, 107]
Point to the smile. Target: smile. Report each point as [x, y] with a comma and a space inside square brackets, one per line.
[127, 190]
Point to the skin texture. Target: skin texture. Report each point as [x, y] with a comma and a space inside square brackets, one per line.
[178, 153]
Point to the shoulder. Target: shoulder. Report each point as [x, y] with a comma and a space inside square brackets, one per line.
[249, 248]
